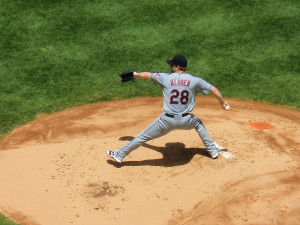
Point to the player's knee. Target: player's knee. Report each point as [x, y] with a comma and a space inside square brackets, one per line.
[142, 138]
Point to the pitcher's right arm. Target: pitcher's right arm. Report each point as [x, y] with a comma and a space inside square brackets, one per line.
[219, 96]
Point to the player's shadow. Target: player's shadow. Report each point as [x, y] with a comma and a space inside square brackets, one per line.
[173, 154]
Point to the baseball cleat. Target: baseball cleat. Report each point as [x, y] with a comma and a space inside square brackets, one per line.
[214, 156]
[219, 147]
[111, 154]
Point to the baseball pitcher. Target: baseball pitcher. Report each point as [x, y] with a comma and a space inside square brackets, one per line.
[179, 89]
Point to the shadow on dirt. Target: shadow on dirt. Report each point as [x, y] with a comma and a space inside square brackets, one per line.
[173, 154]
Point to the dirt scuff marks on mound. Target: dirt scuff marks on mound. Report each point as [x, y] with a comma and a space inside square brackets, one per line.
[238, 203]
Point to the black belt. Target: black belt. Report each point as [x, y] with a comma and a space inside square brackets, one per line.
[172, 116]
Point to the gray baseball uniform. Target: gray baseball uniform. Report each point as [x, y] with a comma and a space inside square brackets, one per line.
[179, 91]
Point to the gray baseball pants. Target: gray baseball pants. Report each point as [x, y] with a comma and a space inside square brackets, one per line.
[163, 125]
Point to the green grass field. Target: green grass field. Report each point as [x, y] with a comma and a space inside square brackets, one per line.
[6, 221]
[58, 54]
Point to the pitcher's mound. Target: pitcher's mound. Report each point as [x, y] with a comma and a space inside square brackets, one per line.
[55, 170]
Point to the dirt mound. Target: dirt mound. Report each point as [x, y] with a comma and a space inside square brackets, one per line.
[54, 170]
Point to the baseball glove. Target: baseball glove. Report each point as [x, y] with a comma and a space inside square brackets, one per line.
[127, 75]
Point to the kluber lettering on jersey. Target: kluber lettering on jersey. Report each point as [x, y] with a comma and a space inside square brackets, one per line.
[180, 82]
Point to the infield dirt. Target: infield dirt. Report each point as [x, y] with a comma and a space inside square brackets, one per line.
[55, 170]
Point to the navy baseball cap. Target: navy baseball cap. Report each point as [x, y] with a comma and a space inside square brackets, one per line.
[178, 60]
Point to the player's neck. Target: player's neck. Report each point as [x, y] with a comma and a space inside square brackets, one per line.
[178, 71]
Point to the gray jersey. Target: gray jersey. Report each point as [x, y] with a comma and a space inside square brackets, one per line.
[179, 91]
